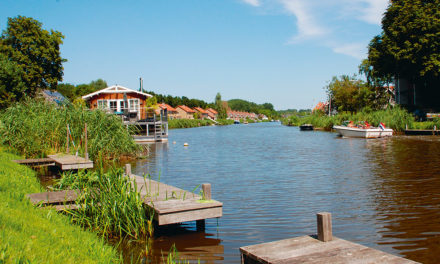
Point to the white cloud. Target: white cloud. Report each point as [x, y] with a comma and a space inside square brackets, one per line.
[355, 50]
[306, 24]
[374, 11]
[252, 2]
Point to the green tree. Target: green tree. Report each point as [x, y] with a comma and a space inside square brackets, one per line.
[219, 106]
[350, 94]
[409, 45]
[35, 50]
[12, 86]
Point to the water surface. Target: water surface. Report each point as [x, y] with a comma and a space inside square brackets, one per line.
[273, 179]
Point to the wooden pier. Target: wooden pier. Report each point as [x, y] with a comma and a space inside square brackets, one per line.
[171, 205]
[323, 248]
[422, 132]
[63, 161]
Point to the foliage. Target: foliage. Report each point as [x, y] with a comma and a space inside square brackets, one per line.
[409, 44]
[35, 51]
[110, 204]
[395, 118]
[188, 123]
[37, 128]
[76, 92]
[220, 107]
[243, 105]
[34, 235]
[151, 102]
[12, 86]
[174, 101]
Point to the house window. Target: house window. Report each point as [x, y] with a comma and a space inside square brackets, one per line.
[113, 106]
[102, 104]
[133, 104]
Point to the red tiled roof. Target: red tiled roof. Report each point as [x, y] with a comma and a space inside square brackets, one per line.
[201, 110]
[186, 109]
[168, 107]
[212, 111]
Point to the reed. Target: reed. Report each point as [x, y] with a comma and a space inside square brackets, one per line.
[188, 123]
[36, 128]
[110, 204]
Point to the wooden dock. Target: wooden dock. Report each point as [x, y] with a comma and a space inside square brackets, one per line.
[422, 132]
[323, 248]
[171, 205]
[63, 161]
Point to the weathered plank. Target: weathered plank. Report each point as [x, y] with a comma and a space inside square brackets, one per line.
[71, 162]
[36, 162]
[174, 205]
[54, 197]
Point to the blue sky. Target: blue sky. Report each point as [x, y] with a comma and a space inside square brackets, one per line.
[278, 51]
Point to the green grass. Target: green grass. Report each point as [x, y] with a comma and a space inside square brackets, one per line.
[188, 123]
[33, 235]
[35, 128]
[395, 118]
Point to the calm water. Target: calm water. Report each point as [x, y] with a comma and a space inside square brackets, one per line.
[272, 179]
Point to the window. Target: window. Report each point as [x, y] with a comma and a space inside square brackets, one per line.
[133, 104]
[102, 104]
[113, 106]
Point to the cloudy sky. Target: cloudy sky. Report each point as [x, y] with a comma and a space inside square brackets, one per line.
[278, 51]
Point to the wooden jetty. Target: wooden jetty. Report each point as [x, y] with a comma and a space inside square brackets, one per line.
[323, 248]
[171, 205]
[422, 132]
[63, 161]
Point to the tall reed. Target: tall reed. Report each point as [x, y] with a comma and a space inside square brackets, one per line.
[36, 128]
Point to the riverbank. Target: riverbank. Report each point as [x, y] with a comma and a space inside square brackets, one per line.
[189, 123]
[30, 234]
[395, 118]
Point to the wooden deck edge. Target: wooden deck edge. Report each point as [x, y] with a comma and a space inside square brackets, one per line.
[187, 216]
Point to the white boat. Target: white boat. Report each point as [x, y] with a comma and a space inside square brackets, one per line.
[373, 132]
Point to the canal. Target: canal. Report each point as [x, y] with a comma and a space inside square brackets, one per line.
[273, 179]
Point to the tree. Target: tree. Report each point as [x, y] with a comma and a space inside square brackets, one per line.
[219, 106]
[12, 86]
[35, 50]
[409, 44]
[350, 94]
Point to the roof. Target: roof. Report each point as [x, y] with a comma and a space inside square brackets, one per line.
[54, 96]
[212, 111]
[201, 110]
[186, 108]
[168, 107]
[115, 89]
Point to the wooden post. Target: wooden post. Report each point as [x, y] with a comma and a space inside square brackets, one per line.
[67, 139]
[86, 154]
[406, 126]
[206, 188]
[200, 224]
[128, 169]
[324, 226]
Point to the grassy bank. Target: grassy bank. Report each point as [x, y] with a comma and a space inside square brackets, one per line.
[395, 118]
[36, 129]
[32, 235]
[188, 123]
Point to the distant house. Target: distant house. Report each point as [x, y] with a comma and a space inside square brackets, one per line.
[212, 114]
[184, 112]
[117, 99]
[202, 112]
[172, 112]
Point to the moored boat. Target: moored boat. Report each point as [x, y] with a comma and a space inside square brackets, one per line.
[364, 132]
[306, 127]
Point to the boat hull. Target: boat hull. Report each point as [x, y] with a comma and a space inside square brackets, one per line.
[363, 133]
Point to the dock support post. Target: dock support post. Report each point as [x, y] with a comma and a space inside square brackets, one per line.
[128, 169]
[86, 155]
[200, 225]
[67, 139]
[324, 226]
[206, 188]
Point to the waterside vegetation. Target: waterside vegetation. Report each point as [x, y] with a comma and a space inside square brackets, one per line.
[33, 235]
[189, 123]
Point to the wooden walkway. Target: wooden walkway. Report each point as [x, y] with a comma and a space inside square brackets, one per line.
[324, 248]
[171, 205]
[63, 161]
[421, 132]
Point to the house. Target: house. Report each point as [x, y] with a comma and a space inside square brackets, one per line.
[184, 112]
[212, 114]
[172, 112]
[202, 112]
[117, 99]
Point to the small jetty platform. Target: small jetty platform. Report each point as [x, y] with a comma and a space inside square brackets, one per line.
[170, 204]
[173, 205]
[63, 161]
[420, 132]
[322, 248]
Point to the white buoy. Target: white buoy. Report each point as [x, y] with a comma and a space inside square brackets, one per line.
[174, 142]
[185, 144]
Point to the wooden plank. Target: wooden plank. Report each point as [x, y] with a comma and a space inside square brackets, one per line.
[36, 162]
[71, 162]
[309, 250]
[54, 197]
[186, 216]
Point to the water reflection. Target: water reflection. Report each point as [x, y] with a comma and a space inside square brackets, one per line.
[273, 179]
